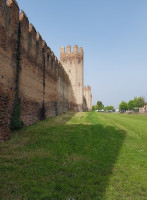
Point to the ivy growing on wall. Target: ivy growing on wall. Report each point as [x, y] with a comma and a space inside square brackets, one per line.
[15, 122]
[42, 112]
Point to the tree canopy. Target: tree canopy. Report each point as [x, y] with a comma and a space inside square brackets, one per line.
[100, 105]
[109, 108]
[131, 105]
[136, 103]
[141, 102]
[123, 106]
[94, 107]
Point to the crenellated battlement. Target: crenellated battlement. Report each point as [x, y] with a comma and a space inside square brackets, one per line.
[23, 18]
[38, 37]
[11, 2]
[32, 30]
[33, 44]
[87, 87]
[76, 51]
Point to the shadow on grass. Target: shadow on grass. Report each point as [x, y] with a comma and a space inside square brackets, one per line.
[67, 162]
[90, 153]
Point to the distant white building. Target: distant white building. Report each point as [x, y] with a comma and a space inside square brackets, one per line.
[117, 110]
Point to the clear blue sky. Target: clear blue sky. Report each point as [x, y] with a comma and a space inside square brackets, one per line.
[113, 34]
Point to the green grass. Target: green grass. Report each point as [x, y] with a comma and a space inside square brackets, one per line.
[86, 156]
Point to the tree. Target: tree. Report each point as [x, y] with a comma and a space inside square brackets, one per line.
[109, 108]
[100, 105]
[93, 108]
[106, 108]
[123, 106]
[141, 102]
[96, 107]
[135, 102]
[131, 105]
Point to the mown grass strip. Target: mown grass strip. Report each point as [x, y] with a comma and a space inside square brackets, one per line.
[87, 156]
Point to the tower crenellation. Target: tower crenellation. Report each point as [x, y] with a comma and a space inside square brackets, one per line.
[68, 49]
[66, 52]
[76, 49]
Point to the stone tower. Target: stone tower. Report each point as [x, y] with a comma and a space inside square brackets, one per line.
[73, 65]
[87, 104]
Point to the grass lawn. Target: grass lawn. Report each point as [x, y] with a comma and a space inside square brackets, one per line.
[82, 156]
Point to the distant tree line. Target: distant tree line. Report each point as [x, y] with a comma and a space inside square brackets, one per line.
[99, 106]
[133, 105]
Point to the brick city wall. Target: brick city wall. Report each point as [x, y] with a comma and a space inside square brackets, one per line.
[33, 83]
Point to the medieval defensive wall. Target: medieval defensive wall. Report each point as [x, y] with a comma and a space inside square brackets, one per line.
[34, 84]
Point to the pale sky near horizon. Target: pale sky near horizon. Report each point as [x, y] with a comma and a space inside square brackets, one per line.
[113, 34]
